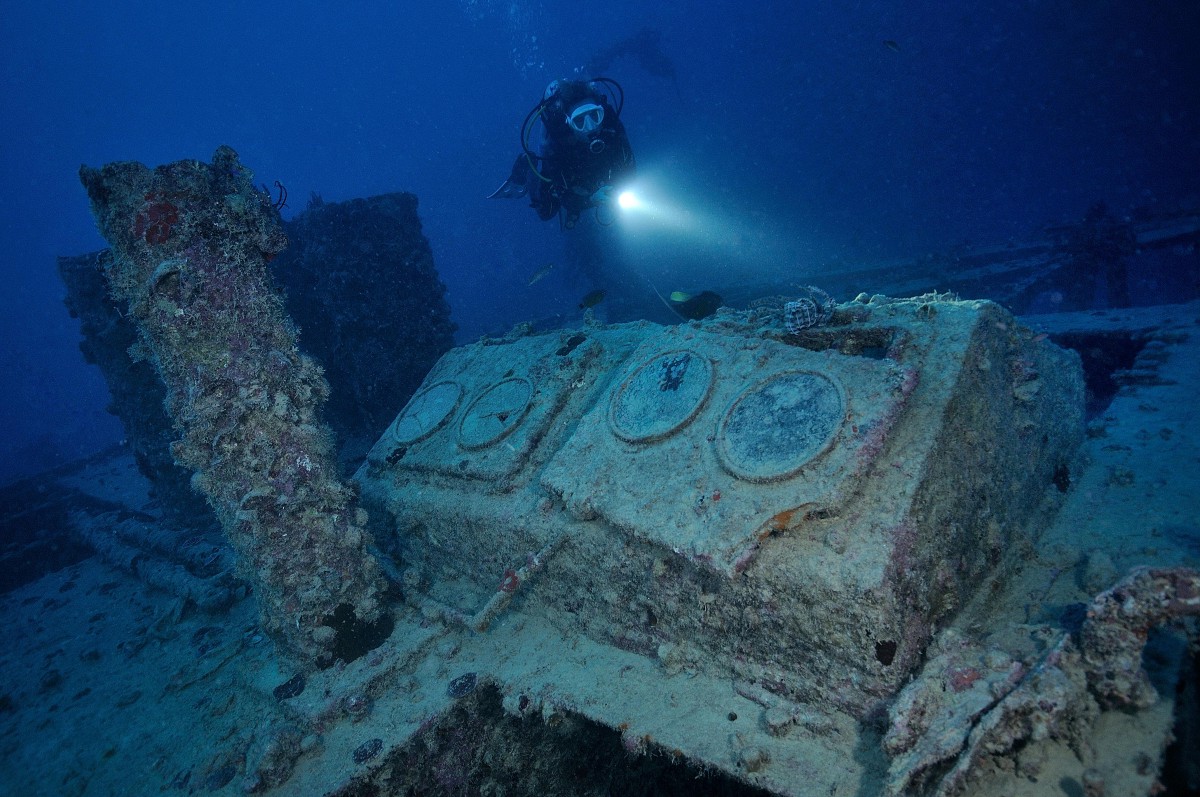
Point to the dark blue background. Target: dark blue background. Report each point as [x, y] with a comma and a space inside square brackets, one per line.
[795, 138]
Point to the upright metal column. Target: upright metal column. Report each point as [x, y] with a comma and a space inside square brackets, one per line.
[191, 242]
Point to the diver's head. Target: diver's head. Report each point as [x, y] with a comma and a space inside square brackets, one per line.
[576, 104]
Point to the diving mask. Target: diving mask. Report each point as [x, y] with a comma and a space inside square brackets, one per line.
[586, 118]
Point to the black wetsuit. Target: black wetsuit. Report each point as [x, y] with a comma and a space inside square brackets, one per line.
[570, 166]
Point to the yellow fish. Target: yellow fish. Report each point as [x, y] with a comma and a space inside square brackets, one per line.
[702, 305]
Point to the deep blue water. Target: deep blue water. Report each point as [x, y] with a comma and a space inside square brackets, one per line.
[793, 140]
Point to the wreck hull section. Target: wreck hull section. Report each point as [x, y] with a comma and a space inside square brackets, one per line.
[795, 513]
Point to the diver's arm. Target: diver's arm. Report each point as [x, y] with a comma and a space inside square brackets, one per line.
[625, 168]
[545, 200]
[621, 169]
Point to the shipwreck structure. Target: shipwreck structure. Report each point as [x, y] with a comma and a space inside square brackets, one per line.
[783, 518]
[796, 511]
[868, 549]
[190, 246]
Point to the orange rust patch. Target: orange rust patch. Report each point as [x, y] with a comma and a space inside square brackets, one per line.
[781, 521]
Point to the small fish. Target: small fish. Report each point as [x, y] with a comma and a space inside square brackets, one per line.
[592, 299]
[891, 45]
[693, 308]
[540, 274]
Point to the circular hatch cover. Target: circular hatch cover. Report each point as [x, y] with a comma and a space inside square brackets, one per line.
[660, 397]
[778, 426]
[426, 413]
[495, 413]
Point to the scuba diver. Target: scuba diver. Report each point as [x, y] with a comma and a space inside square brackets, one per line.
[582, 151]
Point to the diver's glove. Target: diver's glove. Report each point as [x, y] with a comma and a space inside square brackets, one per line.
[602, 196]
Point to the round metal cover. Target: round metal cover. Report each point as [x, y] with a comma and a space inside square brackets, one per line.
[427, 412]
[778, 426]
[661, 396]
[495, 413]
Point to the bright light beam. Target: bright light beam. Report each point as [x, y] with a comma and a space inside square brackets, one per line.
[668, 220]
[645, 207]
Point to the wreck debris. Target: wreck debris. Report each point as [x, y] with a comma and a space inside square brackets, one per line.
[292, 687]
[940, 735]
[367, 750]
[110, 537]
[463, 685]
[1117, 625]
